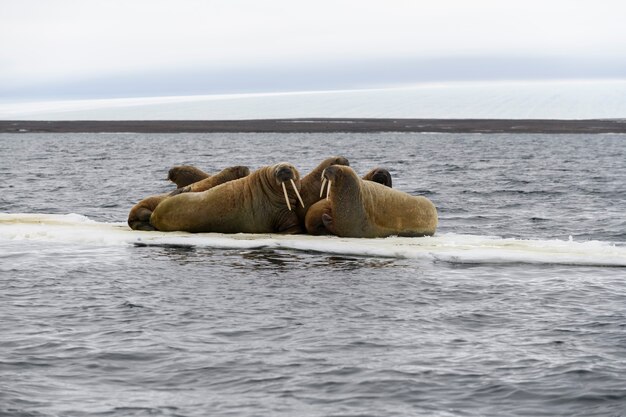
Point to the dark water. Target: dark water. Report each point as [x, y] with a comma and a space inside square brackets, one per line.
[117, 330]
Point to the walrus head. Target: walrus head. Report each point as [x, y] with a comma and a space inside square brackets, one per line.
[312, 181]
[332, 174]
[314, 175]
[335, 160]
[225, 175]
[345, 188]
[379, 175]
[233, 173]
[287, 173]
[184, 175]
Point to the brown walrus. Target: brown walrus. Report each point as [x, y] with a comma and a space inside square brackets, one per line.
[379, 175]
[313, 222]
[139, 216]
[183, 175]
[360, 208]
[258, 203]
[209, 182]
[311, 183]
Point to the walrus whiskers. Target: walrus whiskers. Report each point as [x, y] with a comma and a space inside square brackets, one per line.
[286, 197]
[293, 184]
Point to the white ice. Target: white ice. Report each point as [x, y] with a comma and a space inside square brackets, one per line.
[77, 229]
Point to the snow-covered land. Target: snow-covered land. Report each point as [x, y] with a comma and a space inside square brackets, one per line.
[600, 99]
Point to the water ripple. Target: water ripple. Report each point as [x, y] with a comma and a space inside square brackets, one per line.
[107, 330]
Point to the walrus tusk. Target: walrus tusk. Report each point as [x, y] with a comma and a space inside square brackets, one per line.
[293, 184]
[322, 188]
[328, 193]
[286, 197]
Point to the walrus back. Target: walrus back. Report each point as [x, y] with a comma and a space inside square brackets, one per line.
[214, 210]
[393, 212]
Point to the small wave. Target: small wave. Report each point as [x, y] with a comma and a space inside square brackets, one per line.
[128, 304]
[538, 219]
[449, 247]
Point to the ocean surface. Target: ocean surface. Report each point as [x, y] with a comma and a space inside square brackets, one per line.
[550, 99]
[516, 307]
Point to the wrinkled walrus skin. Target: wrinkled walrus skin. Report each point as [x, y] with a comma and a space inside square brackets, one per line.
[366, 209]
[313, 221]
[253, 204]
[139, 216]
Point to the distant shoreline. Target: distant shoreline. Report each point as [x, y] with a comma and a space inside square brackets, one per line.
[319, 125]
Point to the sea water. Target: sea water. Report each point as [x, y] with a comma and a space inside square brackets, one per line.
[515, 307]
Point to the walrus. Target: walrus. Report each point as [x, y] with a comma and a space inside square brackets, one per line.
[379, 175]
[262, 202]
[313, 223]
[358, 208]
[139, 216]
[184, 175]
[209, 182]
[311, 183]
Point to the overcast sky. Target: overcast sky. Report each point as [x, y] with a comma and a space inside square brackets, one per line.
[117, 48]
